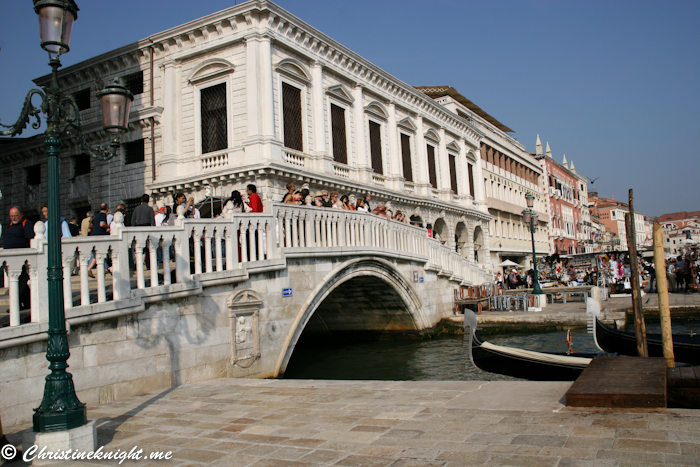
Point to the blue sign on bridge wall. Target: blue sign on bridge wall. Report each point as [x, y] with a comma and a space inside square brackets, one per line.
[287, 292]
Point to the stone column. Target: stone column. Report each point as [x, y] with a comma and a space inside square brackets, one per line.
[364, 165]
[421, 176]
[442, 164]
[319, 107]
[394, 157]
[171, 118]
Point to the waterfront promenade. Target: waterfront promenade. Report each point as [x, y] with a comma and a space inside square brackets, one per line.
[243, 422]
[573, 312]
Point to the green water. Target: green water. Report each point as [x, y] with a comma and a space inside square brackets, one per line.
[438, 359]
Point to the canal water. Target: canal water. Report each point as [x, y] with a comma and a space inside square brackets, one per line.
[437, 359]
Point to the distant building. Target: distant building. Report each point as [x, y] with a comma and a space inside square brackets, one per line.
[508, 173]
[681, 230]
[570, 225]
[611, 214]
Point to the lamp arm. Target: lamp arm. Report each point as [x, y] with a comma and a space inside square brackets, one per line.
[28, 111]
[73, 128]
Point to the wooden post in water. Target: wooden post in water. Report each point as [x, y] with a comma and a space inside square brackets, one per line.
[662, 288]
[640, 331]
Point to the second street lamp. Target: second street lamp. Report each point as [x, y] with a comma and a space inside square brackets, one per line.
[530, 219]
[60, 408]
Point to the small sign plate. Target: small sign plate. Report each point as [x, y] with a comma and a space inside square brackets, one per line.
[287, 292]
[421, 279]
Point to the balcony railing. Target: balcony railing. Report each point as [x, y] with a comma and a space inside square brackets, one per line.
[172, 262]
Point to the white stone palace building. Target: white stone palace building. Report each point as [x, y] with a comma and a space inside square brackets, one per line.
[252, 94]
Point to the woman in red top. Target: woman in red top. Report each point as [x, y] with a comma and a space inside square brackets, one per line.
[254, 200]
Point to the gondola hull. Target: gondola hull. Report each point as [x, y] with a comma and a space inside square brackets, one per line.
[534, 366]
[686, 349]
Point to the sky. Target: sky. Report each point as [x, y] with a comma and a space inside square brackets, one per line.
[613, 85]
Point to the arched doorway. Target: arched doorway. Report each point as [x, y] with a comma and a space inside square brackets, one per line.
[462, 240]
[440, 231]
[382, 302]
[478, 244]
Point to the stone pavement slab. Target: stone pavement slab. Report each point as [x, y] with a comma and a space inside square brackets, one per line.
[238, 422]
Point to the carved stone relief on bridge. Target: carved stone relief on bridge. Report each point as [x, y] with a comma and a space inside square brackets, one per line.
[244, 313]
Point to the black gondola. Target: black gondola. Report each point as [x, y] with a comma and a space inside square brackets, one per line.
[686, 349]
[526, 364]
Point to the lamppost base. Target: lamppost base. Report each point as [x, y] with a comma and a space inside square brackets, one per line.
[59, 421]
[540, 300]
[82, 439]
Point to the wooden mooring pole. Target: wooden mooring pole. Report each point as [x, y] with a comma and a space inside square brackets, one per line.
[662, 288]
[640, 331]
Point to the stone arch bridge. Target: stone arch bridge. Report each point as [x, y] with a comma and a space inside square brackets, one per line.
[230, 298]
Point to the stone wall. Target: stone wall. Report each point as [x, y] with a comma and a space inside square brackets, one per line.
[243, 329]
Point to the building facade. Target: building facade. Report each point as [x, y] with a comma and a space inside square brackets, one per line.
[570, 227]
[611, 214]
[252, 94]
[507, 173]
[681, 230]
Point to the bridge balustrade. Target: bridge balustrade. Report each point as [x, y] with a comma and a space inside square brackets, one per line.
[137, 265]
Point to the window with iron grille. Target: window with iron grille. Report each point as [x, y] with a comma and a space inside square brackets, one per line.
[134, 152]
[453, 173]
[340, 146]
[431, 166]
[214, 124]
[130, 206]
[471, 179]
[406, 157]
[33, 175]
[291, 114]
[82, 99]
[375, 146]
[134, 83]
[81, 165]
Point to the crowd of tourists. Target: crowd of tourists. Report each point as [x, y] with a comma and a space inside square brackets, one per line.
[334, 200]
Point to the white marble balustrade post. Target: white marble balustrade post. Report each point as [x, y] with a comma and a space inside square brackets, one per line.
[84, 284]
[260, 235]
[67, 286]
[207, 249]
[165, 246]
[302, 228]
[13, 276]
[295, 228]
[153, 241]
[100, 268]
[138, 263]
[334, 229]
[252, 233]
[197, 250]
[317, 229]
[287, 229]
[271, 240]
[244, 239]
[217, 248]
[231, 237]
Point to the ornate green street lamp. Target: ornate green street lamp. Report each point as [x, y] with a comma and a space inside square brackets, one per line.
[60, 408]
[530, 217]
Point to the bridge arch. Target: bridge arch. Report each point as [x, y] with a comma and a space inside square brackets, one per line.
[359, 270]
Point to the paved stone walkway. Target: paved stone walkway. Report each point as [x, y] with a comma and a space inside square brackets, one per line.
[236, 422]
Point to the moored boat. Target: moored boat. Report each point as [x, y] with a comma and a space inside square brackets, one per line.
[686, 349]
[519, 363]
